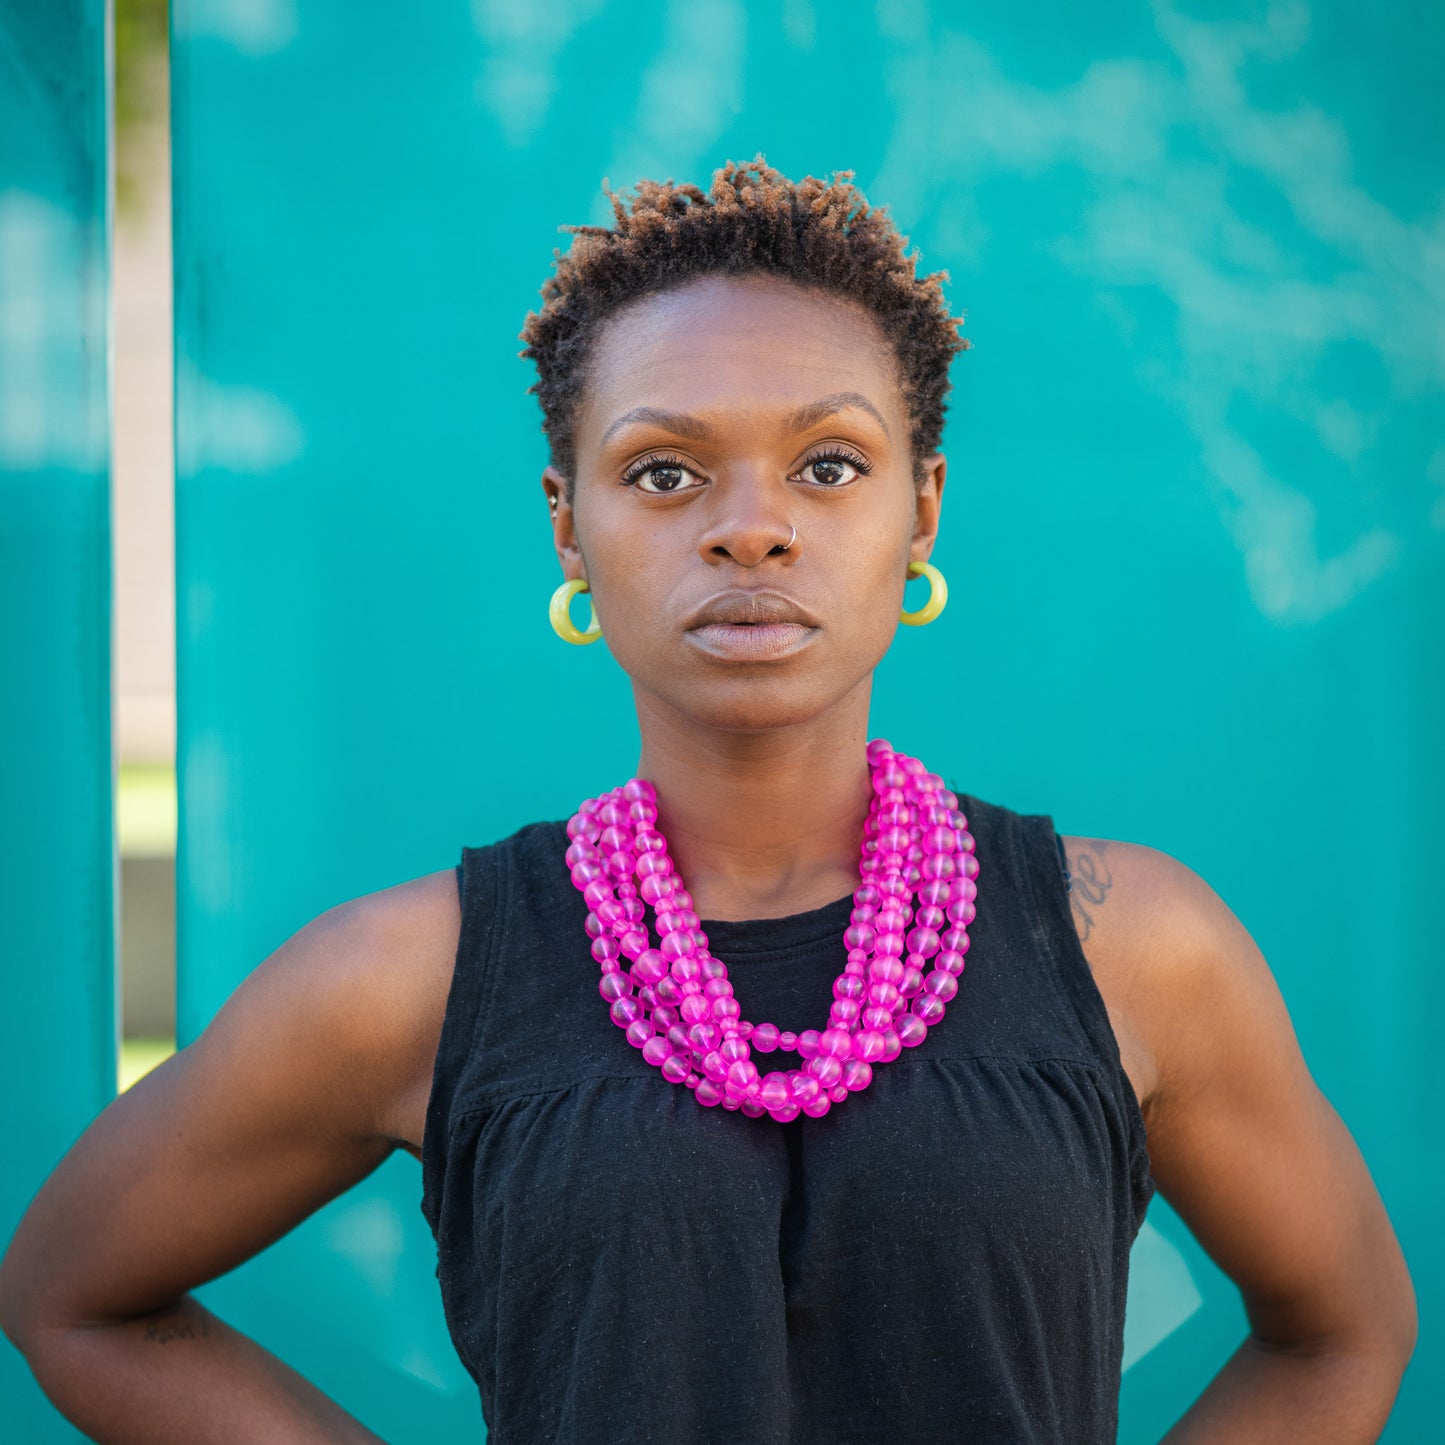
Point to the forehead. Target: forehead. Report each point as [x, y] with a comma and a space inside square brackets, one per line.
[737, 345]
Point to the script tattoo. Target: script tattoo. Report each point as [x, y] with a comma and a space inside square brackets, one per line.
[165, 1328]
[1092, 880]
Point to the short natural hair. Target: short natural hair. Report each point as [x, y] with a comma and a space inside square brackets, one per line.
[820, 234]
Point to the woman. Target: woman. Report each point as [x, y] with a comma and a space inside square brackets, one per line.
[660, 1217]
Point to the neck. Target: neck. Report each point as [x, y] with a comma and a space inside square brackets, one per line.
[761, 824]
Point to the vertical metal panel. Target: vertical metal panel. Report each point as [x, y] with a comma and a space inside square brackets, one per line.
[1194, 524]
[58, 992]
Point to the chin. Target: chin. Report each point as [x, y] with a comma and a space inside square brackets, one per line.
[754, 704]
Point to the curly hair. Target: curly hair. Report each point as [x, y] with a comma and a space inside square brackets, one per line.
[820, 234]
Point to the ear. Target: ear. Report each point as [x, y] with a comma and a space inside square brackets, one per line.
[564, 529]
[928, 501]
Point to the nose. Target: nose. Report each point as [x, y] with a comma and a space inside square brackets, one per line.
[750, 527]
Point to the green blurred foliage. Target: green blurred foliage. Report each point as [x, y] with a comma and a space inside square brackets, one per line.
[141, 90]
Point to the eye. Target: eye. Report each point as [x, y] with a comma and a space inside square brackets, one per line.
[834, 467]
[659, 474]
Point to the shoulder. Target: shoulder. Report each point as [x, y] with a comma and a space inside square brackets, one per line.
[372, 975]
[1168, 955]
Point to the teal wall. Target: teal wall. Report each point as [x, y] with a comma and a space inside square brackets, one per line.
[58, 992]
[1195, 521]
[1194, 531]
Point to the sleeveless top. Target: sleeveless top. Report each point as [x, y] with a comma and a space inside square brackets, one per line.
[944, 1256]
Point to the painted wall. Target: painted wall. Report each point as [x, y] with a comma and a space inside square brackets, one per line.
[58, 992]
[1194, 533]
[1195, 522]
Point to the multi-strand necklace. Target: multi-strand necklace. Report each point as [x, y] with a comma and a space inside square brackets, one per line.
[675, 999]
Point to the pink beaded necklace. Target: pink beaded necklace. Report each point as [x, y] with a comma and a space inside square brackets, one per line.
[676, 1002]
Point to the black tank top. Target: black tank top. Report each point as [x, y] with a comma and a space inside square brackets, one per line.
[941, 1258]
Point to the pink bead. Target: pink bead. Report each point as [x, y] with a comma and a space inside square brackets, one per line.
[678, 945]
[924, 941]
[655, 889]
[708, 1093]
[674, 1068]
[787, 1039]
[835, 1044]
[695, 1009]
[817, 1106]
[808, 1043]
[725, 1009]
[734, 1049]
[715, 1066]
[911, 981]
[886, 970]
[884, 995]
[718, 988]
[668, 990]
[625, 1010]
[656, 1049]
[614, 986]
[857, 1074]
[868, 1045]
[848, 986]
[775, 1091]
[838, 1092]
[752, 1108]
[941, 985]
[785, 1113]
[889, 943]
[929, 1007]
[804, 1086]
[844, 1011]
[742, 1072]
[911, 1030]
[949, 962]
[765, 1038]
[586, 872]
[875, 1017]
[685, 966]
[639, 1031]
[605, 948]
[596, 894]
[892, 1046]
[825, 1069]
[705, 1036]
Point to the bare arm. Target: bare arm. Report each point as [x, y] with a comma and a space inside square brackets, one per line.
[1268, 1178]
[282, 1104]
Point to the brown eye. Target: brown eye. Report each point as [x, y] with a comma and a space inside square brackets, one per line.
[660, 475]
[834, 469]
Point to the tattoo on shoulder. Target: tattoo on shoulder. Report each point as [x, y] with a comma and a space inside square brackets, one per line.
[162, 1329]
[1091, 878]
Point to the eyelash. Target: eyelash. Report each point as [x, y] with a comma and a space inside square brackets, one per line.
[860, 464]
[644, 465]
[832, 453]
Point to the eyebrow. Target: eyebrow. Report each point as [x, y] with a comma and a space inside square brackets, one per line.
[815, 411]
[810, 414]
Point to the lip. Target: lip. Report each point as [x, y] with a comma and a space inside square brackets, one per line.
[751, 626]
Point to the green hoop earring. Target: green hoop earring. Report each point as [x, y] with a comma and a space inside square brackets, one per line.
[937, 595]
[559, 614]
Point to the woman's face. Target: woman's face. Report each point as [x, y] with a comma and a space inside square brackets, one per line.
[716, 419]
